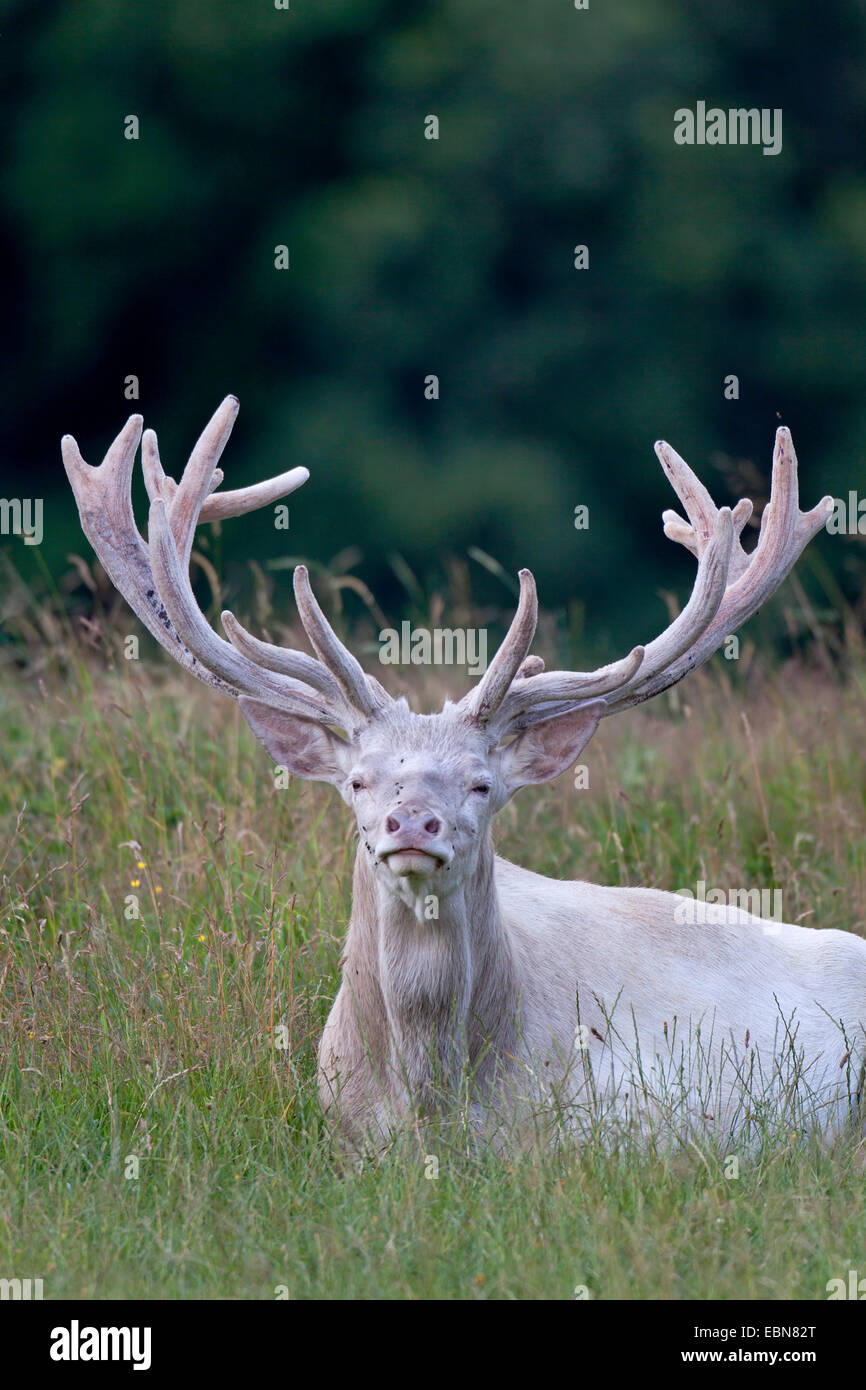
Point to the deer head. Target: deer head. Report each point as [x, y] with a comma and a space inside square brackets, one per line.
[423, 788]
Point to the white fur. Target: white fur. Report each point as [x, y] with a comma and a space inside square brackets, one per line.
[599, 1001]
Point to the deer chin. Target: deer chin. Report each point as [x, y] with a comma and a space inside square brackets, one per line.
[404, 862]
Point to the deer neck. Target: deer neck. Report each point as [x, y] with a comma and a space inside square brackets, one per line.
[444, 971]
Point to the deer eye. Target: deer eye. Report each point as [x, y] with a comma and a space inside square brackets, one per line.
[482, 788]
[357, 784]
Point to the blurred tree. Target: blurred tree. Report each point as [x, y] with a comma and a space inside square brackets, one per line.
[410, 256]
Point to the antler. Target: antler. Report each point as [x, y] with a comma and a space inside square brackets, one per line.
[153, 576]
[729, 588]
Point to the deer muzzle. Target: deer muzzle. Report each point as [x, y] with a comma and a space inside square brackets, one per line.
[412, 842]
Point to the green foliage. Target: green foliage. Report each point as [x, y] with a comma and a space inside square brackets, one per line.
[304, 127]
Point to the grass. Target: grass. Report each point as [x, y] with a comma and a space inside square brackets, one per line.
[168, 914]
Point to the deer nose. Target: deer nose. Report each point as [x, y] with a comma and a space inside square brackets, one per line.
[407, 821]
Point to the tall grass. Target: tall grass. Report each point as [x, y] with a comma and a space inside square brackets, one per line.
[168, 916]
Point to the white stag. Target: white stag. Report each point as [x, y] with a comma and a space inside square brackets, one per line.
[461, 970]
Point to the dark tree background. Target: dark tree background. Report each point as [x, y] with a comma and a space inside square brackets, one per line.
[305, 127]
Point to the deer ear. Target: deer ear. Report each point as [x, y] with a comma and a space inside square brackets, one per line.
[543, 751]
[305, 748]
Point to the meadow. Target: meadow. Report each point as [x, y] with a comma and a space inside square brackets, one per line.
[170, 940]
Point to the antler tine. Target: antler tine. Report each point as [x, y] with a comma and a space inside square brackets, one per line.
[559, 691]
[104, 501]
[699, 505]
[159, 484]
[195, 484]
[195, 499]
[482, 704]
[700, 509]
[785, 532]
[363, 694]
[221, 505]
[218, 656]
[154, 579]
[107, 484]
[567, 688]
[703, 605]
[729, 587]
[156, 480]
[281, 659]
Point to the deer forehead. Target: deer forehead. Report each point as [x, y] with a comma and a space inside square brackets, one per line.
[406, 749]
